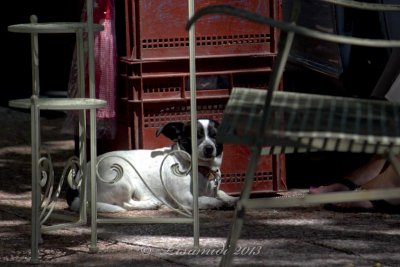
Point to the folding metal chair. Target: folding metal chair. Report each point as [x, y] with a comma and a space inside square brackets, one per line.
[187, 216]
[275, 122]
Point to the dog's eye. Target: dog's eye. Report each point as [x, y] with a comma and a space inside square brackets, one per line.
[212, 133]
[200, 135]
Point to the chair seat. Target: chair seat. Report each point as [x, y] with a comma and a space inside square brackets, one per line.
[301, 122]
[54, 27]
[60, 103]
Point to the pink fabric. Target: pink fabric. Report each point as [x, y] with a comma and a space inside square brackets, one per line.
[106, 61]
[105, 69]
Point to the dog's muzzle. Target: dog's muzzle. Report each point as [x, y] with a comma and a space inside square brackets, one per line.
[208, 151]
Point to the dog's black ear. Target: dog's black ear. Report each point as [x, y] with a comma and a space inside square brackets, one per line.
[214, 123]
[172, 130]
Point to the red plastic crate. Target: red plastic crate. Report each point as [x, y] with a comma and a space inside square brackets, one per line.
[156, 29]
[161, 80]
[148, 117]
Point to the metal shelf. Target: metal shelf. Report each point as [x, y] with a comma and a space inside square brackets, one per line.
[54, 27]
[59, 103]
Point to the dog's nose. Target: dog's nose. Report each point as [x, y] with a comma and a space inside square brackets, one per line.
[208, 150]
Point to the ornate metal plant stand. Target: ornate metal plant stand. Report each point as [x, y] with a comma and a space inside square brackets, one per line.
[42, 167]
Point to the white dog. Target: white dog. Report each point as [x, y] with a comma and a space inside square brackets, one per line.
[161, 173]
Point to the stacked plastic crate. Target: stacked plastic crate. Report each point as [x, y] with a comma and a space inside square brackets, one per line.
[154, 75]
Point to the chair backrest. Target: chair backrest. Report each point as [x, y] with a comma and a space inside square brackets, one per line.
[290, 28]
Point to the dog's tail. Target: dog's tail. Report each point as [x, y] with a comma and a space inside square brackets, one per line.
[73, 199]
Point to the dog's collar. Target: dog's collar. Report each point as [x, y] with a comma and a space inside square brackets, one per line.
[212, 176]
[208, 173]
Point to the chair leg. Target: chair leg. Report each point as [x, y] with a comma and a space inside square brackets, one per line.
[35, 217]
[240, 210]
[92, 120]
[234, 235]
[80, 62]
[83, 164]
[35, 144]
[93, 183]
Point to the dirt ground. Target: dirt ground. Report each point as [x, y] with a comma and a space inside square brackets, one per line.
[304, 236]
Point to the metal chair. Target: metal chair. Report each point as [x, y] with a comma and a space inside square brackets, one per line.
[42, 168]
[275, 122]
[185, 215]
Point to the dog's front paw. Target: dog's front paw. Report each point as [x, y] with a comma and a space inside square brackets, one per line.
[206, 203]
[230, 203]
